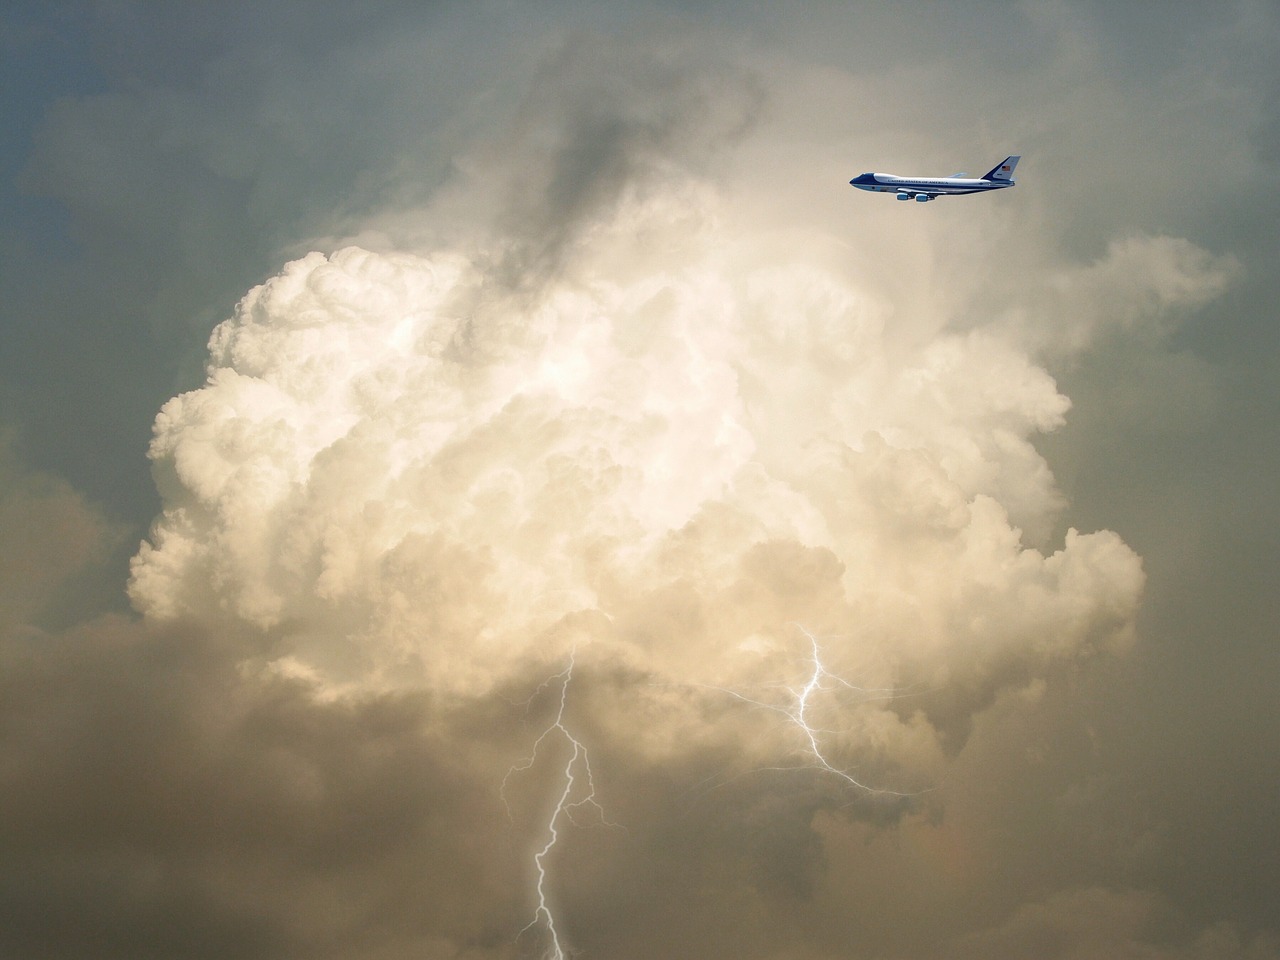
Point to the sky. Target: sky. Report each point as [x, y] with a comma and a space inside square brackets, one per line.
[476, 482]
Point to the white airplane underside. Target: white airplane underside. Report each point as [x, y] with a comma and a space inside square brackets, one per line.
[923, 189]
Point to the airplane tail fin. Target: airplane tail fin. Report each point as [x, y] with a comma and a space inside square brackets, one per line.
[1002, 170]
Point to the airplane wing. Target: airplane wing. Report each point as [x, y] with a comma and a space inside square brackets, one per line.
[957, 176]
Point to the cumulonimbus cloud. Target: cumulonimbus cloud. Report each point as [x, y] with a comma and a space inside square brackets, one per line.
[677, 449]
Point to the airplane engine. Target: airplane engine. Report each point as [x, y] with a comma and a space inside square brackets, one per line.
[904, 196]
[923, 198]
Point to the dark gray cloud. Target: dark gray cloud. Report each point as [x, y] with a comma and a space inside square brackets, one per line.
[160, 804]
[167, 794]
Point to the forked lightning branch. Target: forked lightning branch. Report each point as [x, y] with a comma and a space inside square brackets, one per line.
[575, 793]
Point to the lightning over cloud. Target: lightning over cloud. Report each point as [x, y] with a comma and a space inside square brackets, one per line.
[576, 791]
[799, 706]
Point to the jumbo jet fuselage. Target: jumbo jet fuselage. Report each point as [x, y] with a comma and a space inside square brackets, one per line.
[926, 188]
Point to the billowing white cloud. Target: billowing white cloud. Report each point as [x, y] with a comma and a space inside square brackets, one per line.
[675, 450]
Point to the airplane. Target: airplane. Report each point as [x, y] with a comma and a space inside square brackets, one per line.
[924, 190]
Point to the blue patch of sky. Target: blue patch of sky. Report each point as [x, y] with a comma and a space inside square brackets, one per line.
[45, 55]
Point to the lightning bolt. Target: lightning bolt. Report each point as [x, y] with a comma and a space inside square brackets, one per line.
[796, 710]
[577, 792]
